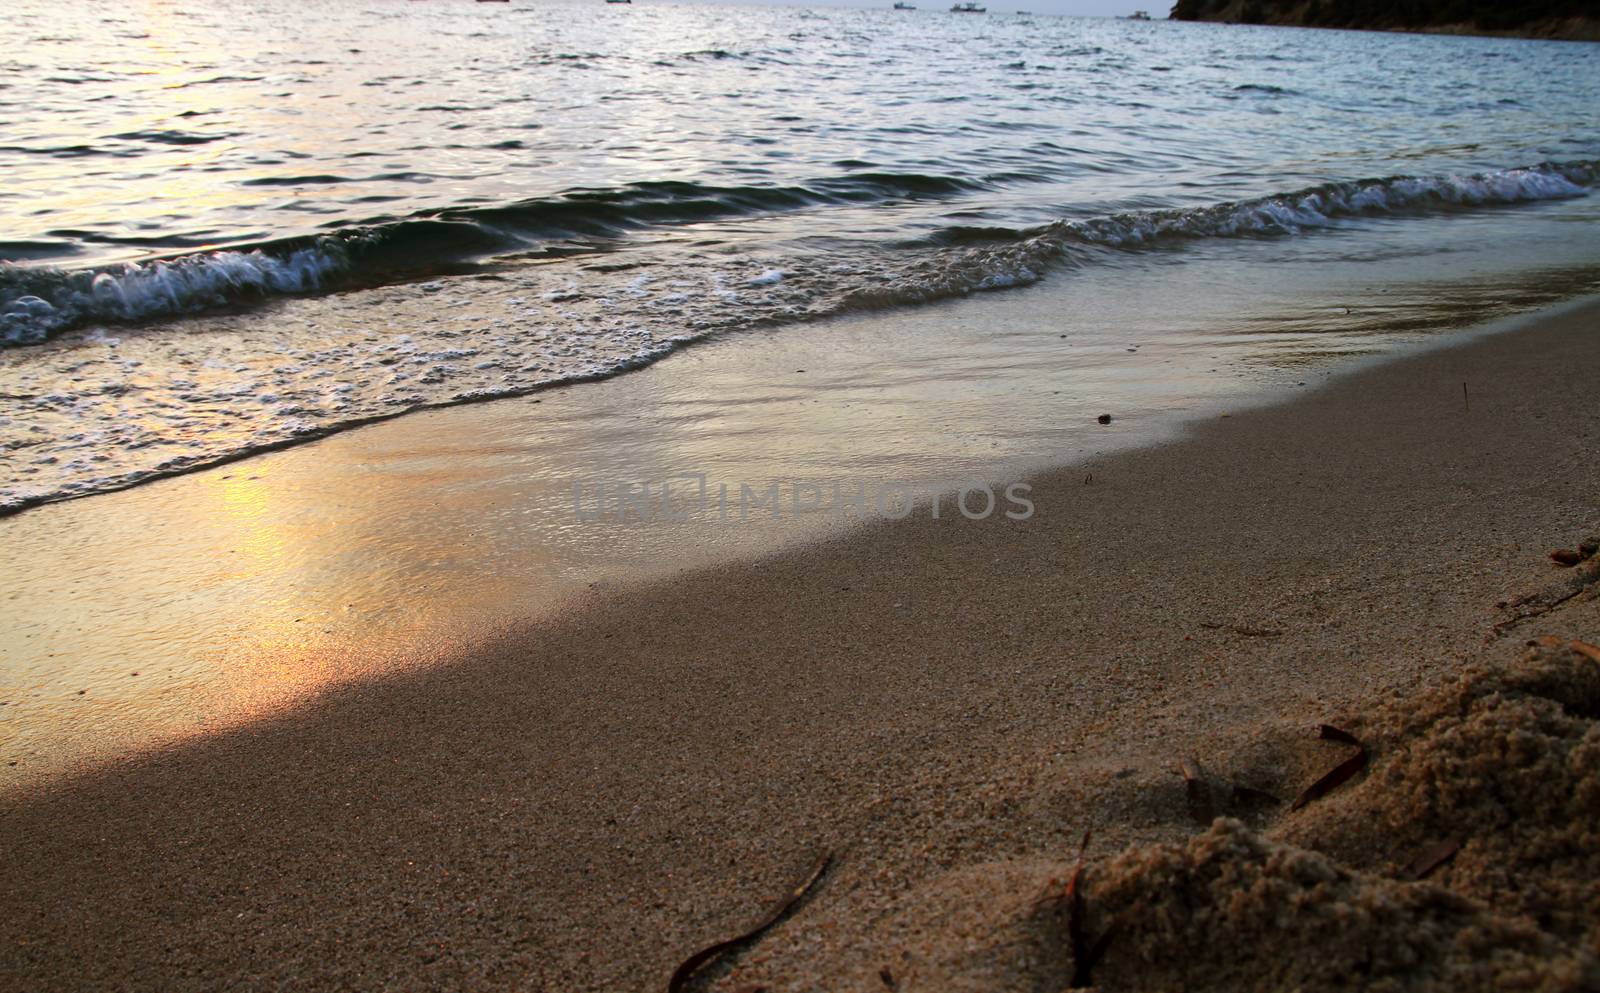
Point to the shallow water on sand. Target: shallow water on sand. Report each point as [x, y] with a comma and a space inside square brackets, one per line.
[213, 597]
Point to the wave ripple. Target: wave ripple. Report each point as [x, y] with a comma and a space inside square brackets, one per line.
[36, 303]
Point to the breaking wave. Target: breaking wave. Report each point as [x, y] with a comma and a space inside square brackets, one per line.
[36, 303]
[1320, 206]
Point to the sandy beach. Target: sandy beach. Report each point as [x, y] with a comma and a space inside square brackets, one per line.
[755, 497]
[945, 706]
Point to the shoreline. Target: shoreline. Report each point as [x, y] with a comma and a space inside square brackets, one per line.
[303, 412]
[220, 596]
[583, 803]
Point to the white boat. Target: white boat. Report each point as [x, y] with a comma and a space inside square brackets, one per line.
[902, 5]
[968, 8]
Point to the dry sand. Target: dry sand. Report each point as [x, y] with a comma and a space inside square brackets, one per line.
[947, 706]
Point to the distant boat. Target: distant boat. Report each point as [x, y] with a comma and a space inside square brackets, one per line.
[902, 5]
[1139, 15]
[968, 8]
[619, 1]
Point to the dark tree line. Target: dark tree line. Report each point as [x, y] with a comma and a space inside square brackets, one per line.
[1478, 14]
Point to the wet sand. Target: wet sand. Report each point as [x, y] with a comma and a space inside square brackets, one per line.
[582, 804]
[193, 603]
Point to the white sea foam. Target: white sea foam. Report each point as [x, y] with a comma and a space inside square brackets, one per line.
[35, 304]
[1325, 205]
[97, 411]
[160, 288]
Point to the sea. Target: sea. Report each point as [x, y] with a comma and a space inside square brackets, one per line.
[228, 228]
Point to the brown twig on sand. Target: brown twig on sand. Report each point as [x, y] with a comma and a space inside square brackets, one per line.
[1572, 556]
[1327, 732]
[1433, 857]
[792, 896]
[1085, 953]
[1339, 774]
[1581, 647]
[1580, 580]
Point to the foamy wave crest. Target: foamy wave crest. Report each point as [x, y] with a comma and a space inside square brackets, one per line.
[36, 303]
[1320, 206]
[1006, 258]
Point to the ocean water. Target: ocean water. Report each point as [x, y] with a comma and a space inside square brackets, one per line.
[231, 228]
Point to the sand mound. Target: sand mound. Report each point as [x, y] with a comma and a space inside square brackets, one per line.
[1505, 761]
[1487, 785]
[1232, 911]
